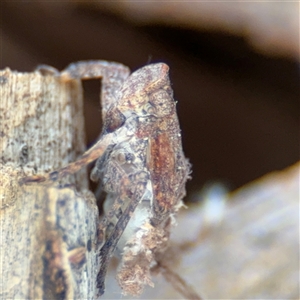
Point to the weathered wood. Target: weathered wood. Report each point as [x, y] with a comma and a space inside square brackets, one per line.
[48, 233]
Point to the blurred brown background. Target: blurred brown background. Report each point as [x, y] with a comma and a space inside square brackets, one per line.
[234, 68]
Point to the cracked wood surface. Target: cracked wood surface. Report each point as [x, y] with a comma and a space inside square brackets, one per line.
[48, 247]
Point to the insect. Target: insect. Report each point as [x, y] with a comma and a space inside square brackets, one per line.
[140, 165]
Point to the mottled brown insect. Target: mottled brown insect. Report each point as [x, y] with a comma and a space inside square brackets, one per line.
[141, 167]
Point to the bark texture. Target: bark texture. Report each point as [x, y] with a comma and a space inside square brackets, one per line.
[48, 232]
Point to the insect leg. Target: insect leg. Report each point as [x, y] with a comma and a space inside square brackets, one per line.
[109, 218]
[89, 156]
[111, 243]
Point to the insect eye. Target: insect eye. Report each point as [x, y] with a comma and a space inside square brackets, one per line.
[121, 157]
[125, 158]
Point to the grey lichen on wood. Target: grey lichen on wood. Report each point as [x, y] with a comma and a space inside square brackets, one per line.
[48, 233]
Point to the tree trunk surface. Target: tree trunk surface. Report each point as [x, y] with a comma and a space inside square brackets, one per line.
[48, 232]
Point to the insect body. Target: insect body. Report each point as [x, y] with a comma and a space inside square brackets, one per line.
[140, 165]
